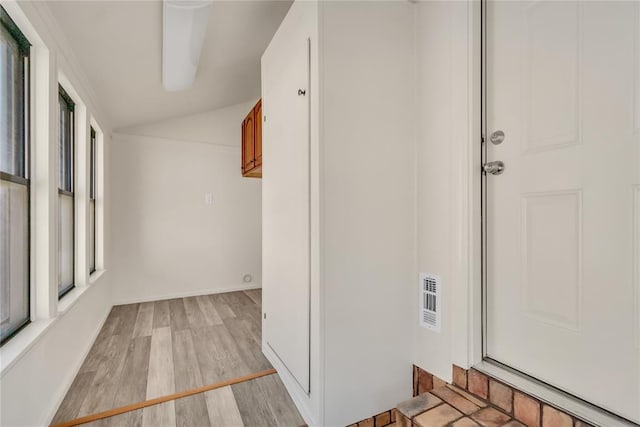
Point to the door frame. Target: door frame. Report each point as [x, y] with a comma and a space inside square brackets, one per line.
[480, 360]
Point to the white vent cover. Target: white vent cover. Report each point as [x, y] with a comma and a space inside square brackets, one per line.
[430, 301]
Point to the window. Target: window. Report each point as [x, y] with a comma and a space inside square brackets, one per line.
[92, 202]
[14, 179]
[66, 216]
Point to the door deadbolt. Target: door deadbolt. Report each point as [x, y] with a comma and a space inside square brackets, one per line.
[497, 137]
[494, 168]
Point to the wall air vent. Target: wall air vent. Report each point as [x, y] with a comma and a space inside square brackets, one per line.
[430, 301]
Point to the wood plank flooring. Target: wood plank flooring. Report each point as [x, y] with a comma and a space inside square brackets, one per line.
[157, 348]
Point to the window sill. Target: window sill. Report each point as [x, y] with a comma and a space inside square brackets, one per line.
[70, 299]
[95, 276]
[14, 349]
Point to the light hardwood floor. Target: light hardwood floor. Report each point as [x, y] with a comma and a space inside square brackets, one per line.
[157, 348]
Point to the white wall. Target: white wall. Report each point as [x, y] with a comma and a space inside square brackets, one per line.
[219, 126]
[167, 241]
[368, 211]
[448, 174]
[40, 363]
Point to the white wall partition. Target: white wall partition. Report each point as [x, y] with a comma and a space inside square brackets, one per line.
[368, 213]
[361, 194]
[447, 126]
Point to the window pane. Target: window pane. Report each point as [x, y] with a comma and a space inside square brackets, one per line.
[65, 243]
[65, 142]
[12, 106]
[92, 236]
[92, 165]
[65, 139]
[14, 257]
[61, 146]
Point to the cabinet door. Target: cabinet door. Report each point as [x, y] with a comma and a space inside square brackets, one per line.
[248, 142]
[257, 117]
[243, 143]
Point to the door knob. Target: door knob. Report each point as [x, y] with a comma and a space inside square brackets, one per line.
[494, 168]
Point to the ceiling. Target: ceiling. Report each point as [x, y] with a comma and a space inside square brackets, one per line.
[119, 46]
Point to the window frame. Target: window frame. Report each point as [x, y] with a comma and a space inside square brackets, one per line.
[70, 190]
[24, 48]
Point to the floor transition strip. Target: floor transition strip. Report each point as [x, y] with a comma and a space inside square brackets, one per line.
[162, 399]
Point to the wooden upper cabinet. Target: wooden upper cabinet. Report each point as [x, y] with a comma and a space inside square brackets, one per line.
[252, 142]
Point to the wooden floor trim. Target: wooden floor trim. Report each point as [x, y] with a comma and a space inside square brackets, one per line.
[162, 399]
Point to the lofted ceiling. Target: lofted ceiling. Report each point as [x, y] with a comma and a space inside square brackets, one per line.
[119, 47]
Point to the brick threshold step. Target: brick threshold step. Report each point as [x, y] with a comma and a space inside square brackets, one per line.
[450, 406]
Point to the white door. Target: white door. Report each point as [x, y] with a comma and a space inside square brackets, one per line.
[285, 210]
[563, 219]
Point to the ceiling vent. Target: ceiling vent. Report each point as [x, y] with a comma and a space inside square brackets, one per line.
[430, 301]
[183, 32]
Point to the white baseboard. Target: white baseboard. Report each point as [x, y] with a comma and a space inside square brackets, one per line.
[299, 397]
[187, 294]
[64, 389]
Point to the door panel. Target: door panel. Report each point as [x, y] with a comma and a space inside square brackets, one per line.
[243, 140]
[249, 141]
[551, 52]
[285, 201]
[562, 271]
[257, 116]
[552, 217]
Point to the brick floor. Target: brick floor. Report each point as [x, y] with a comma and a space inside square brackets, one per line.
[450, 406]
[475, 400]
